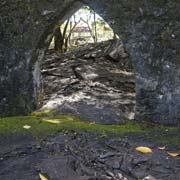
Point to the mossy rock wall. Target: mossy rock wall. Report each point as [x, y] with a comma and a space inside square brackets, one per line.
[149, 30]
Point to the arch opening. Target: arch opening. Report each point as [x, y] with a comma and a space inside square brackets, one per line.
[95, 79]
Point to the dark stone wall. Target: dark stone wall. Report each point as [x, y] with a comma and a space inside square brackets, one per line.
[25, 28]
[148, 28]
[150, 31]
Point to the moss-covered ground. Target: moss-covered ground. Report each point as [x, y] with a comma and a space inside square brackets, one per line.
[49, 122]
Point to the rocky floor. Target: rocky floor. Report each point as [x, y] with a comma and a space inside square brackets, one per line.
[95, 82]
[84, 156]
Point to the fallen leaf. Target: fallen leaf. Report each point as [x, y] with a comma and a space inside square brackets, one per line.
[173, 154]
[53, 121]
[162, 148]
[26, 127]
[42, 177]
[144, 149]
[92, 123]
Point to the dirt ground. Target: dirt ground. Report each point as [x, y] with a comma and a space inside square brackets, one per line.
[84, 156]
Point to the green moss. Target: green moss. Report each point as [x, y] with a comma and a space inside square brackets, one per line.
[43, 113]
[169, 140]
[166, 32]
[176, 1]
[162, 3]
[45, 123]
[164, 135]
[42, 125]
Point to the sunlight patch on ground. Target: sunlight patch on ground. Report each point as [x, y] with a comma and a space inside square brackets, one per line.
[54, 102]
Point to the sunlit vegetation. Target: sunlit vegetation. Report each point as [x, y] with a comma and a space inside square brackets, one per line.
[85, 26]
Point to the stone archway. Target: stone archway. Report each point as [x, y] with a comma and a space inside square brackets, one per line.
[149, 29]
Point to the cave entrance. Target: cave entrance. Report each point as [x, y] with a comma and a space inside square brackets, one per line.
[87, 71]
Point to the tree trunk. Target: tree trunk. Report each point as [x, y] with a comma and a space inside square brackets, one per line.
[58, 40]
[95, 27]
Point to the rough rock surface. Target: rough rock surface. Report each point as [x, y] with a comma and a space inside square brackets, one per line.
[149, 29]
[95, 82]
[84, 156]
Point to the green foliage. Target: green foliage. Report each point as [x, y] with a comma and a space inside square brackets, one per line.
[85, 17]
[88, 9]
